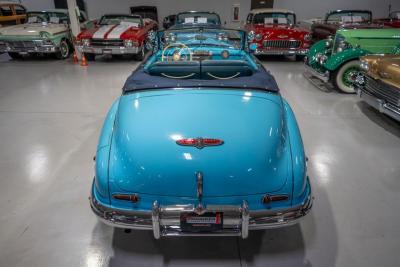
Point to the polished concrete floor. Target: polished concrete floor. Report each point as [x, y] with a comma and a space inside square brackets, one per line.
[51, 113]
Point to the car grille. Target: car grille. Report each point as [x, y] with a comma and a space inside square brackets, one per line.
[21, 44]
[102, 42]
[382, 91]
[281, 44]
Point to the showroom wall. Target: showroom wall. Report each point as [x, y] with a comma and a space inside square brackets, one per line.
[37, 4]
[313, 8]
[304, 8]
[168, 7]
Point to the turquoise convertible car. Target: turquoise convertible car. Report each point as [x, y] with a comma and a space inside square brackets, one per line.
[200, 143]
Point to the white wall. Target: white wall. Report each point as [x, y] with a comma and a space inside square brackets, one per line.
[304, 8]
[37, 4]
[168, 7]
[318, 8]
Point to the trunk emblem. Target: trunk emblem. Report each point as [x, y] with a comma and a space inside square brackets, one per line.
[199, 142]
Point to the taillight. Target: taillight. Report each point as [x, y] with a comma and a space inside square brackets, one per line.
[133, 198]
[272, 198]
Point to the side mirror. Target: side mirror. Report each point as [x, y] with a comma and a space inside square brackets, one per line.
[253, 47]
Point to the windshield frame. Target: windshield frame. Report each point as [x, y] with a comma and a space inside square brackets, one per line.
[198, 14]
[193, 30]
[47, 15]
[120, 16]
[287, 14]
[349, 12]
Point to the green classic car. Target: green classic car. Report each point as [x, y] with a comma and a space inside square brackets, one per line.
[45, 32]
[336, 59]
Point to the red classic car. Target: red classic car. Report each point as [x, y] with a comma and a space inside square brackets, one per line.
[116, 34]
[274, 31]
[392, 21]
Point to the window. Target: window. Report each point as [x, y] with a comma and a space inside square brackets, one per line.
[20, 10]
[249, 18]
[6, 10]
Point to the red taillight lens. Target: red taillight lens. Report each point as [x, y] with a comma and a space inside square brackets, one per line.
[134, 198]
[268, 199]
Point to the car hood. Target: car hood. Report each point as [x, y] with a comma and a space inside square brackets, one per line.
[110, 32]
[32, 29]
[385, 68]
[281, 31]
[145, 158]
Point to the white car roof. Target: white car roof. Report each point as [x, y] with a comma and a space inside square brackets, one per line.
[270, 10]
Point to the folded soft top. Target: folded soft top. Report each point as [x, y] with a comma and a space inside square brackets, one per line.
[141, 80]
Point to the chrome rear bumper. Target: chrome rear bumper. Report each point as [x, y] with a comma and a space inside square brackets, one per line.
[165, 220]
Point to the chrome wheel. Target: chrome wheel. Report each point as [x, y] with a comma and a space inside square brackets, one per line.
[344, 77]
[64, 50]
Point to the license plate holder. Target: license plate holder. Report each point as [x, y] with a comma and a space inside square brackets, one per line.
[207, 222]
[107, 51]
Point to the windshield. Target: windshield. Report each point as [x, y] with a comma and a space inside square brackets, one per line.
[203, 37]
[117, 19]
[274, 18]
[395, 15]
[198, 18]
[49, 17]
[349, 17]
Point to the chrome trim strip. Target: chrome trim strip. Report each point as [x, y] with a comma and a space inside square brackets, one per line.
[288, 52]
[321, 76]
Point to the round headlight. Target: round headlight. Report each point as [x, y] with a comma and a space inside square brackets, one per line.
[340, 49]
[364, 65]
[85, 42]
[259, 37]
[328, 44]
[128, 43]
[322, 59]
[250, 36]
[307, 37]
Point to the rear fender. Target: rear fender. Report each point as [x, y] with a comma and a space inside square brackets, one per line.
[299, 169]
[102, 155]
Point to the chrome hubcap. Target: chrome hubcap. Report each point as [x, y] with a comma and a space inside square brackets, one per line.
[64, 49]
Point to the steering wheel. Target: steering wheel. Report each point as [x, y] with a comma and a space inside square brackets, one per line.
[178, 49]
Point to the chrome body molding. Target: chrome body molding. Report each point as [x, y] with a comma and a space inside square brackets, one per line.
[285, 52]
[379, 104]
[165, 220]
[325, 77]
[112, 50]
